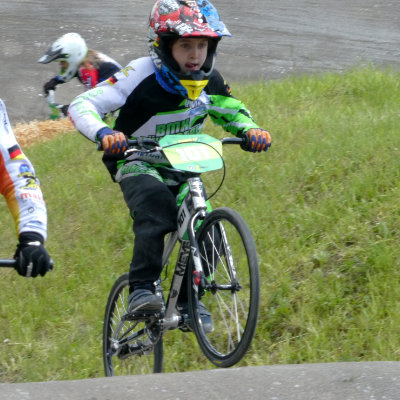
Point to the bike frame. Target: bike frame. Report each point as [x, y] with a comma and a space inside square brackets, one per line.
[187, 248]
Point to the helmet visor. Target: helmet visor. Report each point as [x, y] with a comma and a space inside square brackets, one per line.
[52, 55]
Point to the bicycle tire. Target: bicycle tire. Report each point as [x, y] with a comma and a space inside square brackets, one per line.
[234, 312]
[134, 364]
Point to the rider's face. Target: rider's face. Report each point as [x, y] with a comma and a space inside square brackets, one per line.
[63, 65]
[190, 53]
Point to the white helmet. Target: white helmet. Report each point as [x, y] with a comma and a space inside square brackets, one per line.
[71, 48]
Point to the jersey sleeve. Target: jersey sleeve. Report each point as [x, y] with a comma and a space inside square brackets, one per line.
[18, 183]
[225, 110]
[88, 109]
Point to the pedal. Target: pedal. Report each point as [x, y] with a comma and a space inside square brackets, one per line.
[141, 316]
[185, 325]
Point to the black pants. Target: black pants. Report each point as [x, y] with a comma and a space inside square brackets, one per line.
[153, 206]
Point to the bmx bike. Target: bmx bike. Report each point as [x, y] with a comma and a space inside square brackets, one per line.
[214, 251]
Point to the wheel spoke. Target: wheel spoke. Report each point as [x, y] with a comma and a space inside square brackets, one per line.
[230, 263]
[131, 354]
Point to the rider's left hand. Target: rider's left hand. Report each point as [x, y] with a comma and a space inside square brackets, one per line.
[257, 140]
[50, 85]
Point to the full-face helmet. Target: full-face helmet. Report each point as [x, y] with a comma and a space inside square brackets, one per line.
[173, 19]
[70, 48]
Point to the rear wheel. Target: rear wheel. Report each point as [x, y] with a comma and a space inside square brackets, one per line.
[120, 355]
[229, 259]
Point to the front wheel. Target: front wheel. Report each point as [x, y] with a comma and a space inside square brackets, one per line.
[229, 260]
[127, 348]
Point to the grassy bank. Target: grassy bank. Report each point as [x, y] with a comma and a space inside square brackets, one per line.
[322, 204]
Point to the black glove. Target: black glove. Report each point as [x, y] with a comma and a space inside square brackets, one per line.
[64, 109]
[50, 85]
[31, 257]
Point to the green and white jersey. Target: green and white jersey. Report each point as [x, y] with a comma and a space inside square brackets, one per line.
[146, 109]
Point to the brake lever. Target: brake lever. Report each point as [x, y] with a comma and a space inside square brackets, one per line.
[129, 152]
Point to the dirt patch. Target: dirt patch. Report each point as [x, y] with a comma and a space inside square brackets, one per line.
[40, 131]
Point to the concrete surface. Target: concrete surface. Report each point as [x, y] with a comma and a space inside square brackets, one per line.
[271, 39]
[336, 381]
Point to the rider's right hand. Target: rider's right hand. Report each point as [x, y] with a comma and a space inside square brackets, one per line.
[31, 257]
[50, 85]
[112, 142]
[64, 109]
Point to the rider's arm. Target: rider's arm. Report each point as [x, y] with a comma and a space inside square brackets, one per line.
[234, 117]
[225, 110]
[88, 109]
[18, 183]
[107, 69]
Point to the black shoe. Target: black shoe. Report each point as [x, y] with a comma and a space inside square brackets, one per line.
[205, 316]
[143, 302]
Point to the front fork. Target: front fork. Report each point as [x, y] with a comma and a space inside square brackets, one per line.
[199, 212]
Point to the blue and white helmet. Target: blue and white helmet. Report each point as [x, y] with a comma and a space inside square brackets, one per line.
[71, 48]
[171, 19]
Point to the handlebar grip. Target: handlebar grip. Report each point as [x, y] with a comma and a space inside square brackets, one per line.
[10, 263]
[234, 140]
[132, 142]
[142, 142]
[7, 263]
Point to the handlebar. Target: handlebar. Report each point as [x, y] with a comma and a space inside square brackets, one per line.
[7, 263]
[152, 142]
[143, 142]
[10, 263]
[234, 140]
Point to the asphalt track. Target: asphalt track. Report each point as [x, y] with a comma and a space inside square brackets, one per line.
[271, 40]
[336, 381]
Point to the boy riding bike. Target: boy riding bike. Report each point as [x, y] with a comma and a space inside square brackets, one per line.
[76, 60]
[172, 91]
[20, 187]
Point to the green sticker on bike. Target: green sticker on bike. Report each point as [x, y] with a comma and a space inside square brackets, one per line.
[194, 153]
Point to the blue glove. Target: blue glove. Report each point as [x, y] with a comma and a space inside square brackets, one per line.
[112, 142]
[257, 140]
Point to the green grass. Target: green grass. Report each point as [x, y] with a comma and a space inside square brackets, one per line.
[323, 206]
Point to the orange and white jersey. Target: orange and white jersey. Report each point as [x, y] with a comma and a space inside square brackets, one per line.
[18, 182]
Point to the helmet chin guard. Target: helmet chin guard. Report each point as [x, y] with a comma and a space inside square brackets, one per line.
[194, 88]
